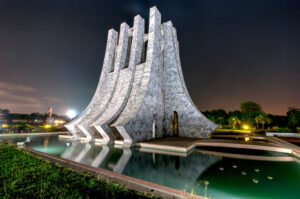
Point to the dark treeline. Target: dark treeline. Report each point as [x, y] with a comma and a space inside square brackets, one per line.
[31, 118]
[23, 123]
[251, 113]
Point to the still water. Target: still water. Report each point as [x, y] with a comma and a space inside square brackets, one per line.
[200, 172]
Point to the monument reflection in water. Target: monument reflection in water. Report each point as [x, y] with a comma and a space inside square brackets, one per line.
[197, 173]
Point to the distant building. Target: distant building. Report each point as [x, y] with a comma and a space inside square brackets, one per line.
[50, 119]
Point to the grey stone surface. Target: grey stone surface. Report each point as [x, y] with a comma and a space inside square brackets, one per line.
[124, 85]
[138, 102]
[136, 121]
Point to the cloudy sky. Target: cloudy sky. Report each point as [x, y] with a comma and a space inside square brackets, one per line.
[51, 52]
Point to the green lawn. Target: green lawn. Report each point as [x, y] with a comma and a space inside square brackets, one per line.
[23, 175]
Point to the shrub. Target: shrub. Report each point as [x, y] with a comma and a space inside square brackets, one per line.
[282, 129]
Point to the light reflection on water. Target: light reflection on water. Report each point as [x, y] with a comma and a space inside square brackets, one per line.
[198, 173]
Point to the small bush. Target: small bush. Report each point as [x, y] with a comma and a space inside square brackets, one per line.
[282, 129]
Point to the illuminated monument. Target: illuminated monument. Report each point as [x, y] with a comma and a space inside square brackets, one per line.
[141, 93]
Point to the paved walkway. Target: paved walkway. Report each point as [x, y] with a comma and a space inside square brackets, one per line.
[177, 145]
[184, 145]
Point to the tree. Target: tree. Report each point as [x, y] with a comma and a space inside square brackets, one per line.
[250, 110]
[279, 120]
[233, 121]
[218, 116]
[293, 119]
[250, 107]
[263, 119]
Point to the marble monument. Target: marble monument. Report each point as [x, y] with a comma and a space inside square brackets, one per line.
[141, 93]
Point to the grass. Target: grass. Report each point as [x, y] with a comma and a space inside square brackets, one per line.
[23, 175]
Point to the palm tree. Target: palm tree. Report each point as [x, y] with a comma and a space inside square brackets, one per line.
[233, 121]
[262, 119]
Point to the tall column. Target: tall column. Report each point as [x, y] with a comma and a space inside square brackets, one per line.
[144, 104]
[125, 83]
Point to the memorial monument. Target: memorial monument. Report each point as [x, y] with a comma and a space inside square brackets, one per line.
[50, 119]
[141, 93]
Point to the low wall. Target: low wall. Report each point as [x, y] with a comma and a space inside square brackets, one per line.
[281, 134]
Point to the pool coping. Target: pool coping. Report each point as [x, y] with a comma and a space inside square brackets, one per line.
[30, 134]
[130, 183]
[274, 144]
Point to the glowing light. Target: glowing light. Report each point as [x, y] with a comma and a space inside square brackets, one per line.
[246, 127]
[4, 125]
[59, 121]
[247, 139]
[71, 114]
[47, 126]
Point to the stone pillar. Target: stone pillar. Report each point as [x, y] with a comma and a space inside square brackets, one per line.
[125, 83]
[135, 122]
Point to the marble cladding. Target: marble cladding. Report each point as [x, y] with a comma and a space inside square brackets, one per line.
[125, 83]
[136, 99]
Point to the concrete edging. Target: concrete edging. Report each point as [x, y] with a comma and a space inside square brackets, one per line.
[280, 134]
[29, 134]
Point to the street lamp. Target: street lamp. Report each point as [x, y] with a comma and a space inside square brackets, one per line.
[71, 114]
[246, 127]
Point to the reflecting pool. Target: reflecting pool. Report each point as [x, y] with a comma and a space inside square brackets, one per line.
[274, 175]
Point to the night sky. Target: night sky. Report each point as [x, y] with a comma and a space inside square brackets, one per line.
[51, 52]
